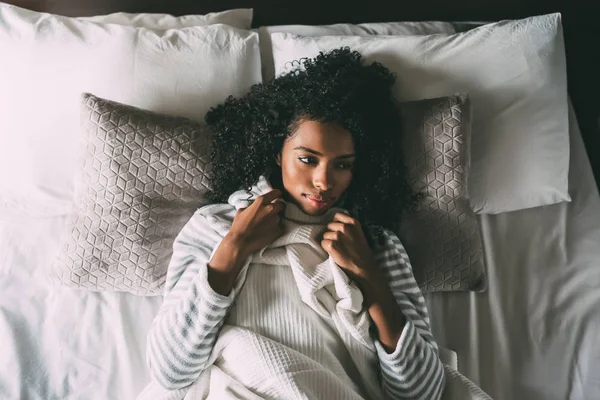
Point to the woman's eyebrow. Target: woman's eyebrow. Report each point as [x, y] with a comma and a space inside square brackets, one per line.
[316, 153]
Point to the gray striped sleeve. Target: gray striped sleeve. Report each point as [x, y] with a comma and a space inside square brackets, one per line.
[184, 332]
[413, 370]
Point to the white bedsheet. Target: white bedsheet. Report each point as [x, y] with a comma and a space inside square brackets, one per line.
[533, 335]
[66, 344]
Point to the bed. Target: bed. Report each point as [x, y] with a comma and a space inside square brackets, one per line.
[531, 334]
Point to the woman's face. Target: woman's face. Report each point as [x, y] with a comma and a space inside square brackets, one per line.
[316, 165]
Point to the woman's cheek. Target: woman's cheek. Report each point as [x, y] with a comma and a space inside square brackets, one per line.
[346, 179]
[300, 170]
[295, 174]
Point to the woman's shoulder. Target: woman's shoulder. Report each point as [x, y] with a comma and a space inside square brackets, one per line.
[215, 209]
[384, 239]
[210, 219]
[381, 236]
[388, 249]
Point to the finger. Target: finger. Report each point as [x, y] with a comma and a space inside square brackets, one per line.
[269, 197]
[328, 245]
[333, 236]
[333, 245]
[334, 249]
[274, 218]
[276, 207]
[337, 227]
[345, 219]
[271, 209]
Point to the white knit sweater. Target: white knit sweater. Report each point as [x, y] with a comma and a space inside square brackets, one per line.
[293, 327]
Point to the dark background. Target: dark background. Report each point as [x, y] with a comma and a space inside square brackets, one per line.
[581, 22]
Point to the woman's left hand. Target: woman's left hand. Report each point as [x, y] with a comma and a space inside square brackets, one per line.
[345, 242]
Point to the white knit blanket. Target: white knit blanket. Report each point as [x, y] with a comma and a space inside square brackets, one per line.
[322, 285]
[214, 384]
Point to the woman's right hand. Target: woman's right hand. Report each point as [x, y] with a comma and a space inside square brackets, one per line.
[253, 228]
[258, 225]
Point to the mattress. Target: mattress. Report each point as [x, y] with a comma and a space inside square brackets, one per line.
[532, 335]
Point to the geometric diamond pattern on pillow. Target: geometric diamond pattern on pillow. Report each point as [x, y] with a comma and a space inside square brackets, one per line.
[143, 177]
[441, 234]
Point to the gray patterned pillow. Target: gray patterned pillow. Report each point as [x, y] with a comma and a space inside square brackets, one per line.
[441, 235]
[143, 178]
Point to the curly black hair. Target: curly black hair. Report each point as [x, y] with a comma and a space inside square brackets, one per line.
[334, 87]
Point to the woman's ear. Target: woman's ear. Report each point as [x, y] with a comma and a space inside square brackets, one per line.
[278, 159]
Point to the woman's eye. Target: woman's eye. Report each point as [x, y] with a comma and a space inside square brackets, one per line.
[308, 160]
[345, 165]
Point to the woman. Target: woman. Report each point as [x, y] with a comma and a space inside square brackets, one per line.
[292, 285]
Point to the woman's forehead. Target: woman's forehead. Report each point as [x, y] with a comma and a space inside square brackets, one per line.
[326, 138]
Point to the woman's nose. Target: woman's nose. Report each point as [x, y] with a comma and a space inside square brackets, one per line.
[322, 178]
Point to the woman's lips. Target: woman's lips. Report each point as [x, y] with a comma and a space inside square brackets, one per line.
[317, 202]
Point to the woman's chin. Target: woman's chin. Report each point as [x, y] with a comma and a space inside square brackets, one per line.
[315, 212]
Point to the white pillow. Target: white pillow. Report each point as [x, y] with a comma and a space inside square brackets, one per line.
[49, 60]
[515, 75]
[379, 28]
[238, 18]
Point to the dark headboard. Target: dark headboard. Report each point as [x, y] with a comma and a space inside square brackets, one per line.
[272, 12]
[581, 21]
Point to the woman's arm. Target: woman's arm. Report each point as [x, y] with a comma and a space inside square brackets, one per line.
[200, 288]
[197, 299]
[383, 309]
[408, 355]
